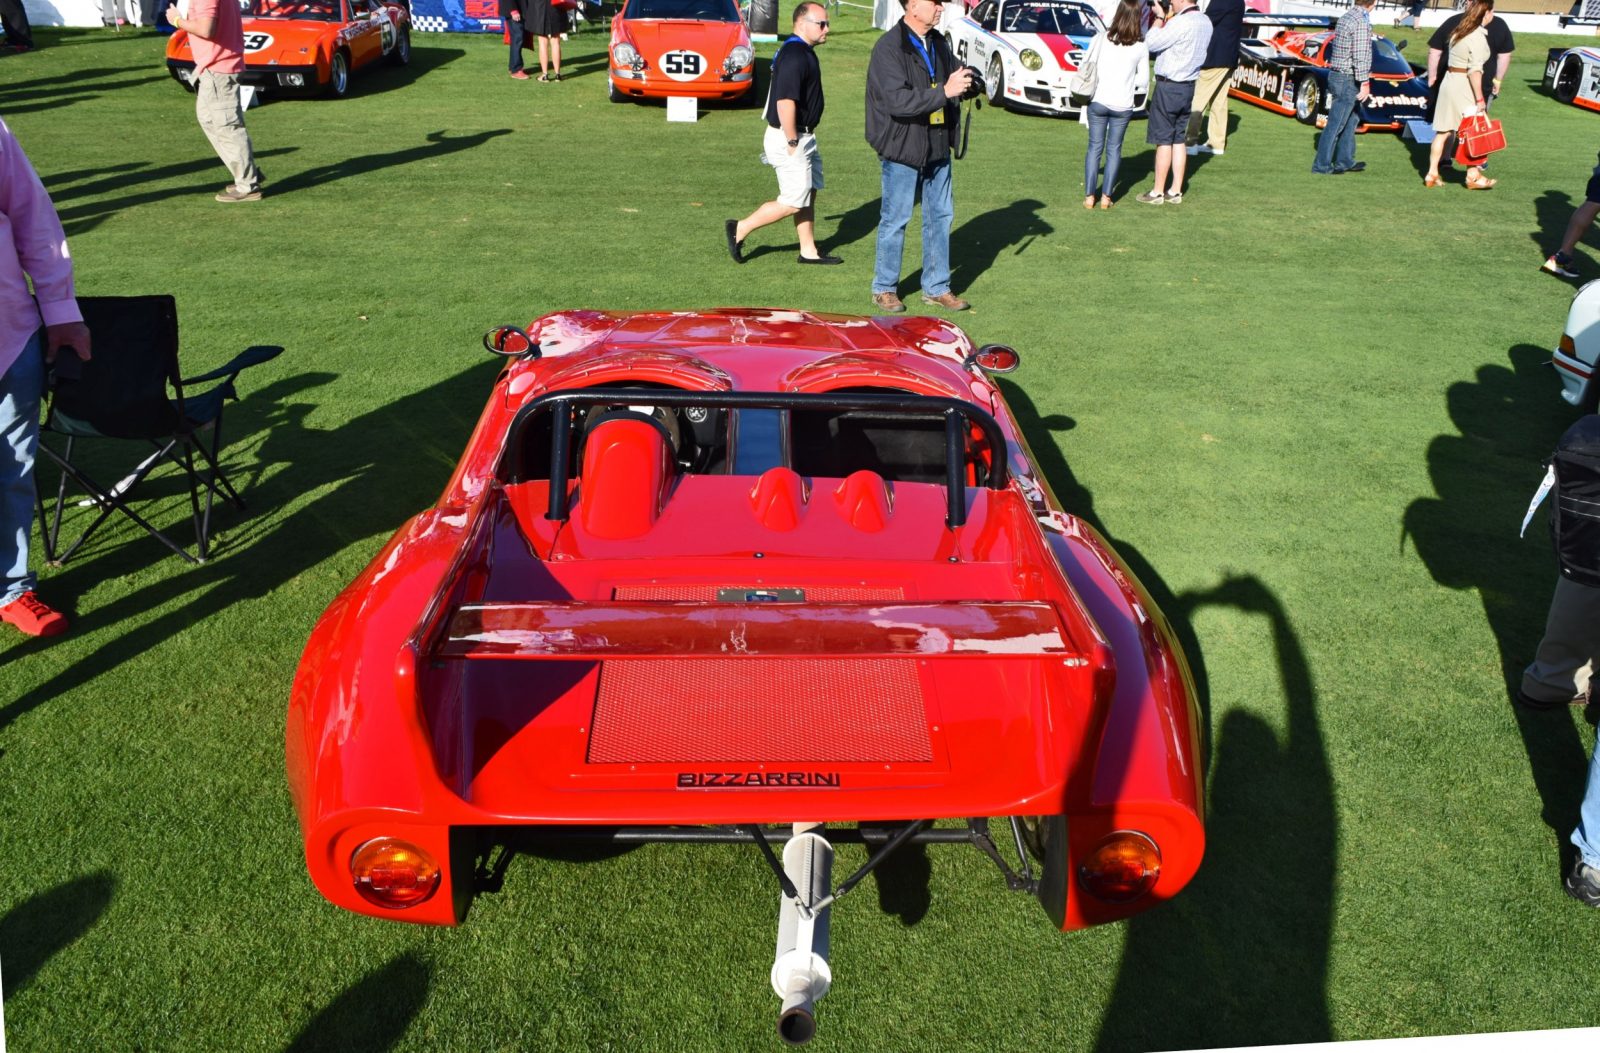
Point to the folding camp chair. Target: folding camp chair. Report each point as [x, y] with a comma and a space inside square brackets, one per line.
[121, 393]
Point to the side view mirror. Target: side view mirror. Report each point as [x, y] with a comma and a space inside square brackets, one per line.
[510, 341]
[1400, 45]
[995, 358]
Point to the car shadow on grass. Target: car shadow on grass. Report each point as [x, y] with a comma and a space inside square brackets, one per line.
[424, 60]
[1507, 421]
[368, 475]
[45, 924]
[1267, 799]
[371, 1015]
[1240, 959]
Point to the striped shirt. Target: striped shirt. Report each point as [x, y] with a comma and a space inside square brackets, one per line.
[1180, 45]
[1352, 45]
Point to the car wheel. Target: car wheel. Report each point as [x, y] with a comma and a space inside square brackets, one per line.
[400, 54]
[996, 78]
[339, 75]
[1306, 97]
[1568, 76]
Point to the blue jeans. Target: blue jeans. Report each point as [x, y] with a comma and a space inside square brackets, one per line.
[1587, 835]
[514, 29]
[1336, 150]
[902, 186]
[1106, 129]
[21, 387]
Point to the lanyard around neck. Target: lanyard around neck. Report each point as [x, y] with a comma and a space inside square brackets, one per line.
[923, 51]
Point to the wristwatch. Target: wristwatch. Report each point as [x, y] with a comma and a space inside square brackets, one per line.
[794, 142]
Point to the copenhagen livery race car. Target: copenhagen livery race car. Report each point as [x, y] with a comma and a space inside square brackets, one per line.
[1573, 74]
[310, 46]
[1287, 73]
[698, 48]
[728, 577]
[1027, 50]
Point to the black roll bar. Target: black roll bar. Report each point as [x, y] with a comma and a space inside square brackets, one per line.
[561, 405]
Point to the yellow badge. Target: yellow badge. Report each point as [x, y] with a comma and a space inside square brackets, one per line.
[937, 116]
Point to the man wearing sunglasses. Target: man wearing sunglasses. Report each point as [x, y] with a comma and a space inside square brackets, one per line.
[794, 109]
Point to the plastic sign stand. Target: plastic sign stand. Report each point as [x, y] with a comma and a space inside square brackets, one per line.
[683, 108]
[1419, 131]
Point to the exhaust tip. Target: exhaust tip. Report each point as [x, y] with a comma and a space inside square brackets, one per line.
[797, 1026]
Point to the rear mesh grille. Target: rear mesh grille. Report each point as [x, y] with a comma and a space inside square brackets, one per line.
[757, 710]
[814, 593]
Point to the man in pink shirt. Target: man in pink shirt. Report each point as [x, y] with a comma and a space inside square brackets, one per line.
[216, 38]
[33, 328]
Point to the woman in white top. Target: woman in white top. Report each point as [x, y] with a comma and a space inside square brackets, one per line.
[1122, 66]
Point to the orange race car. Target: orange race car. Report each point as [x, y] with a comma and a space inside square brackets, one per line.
[699, 48]
[309, 47]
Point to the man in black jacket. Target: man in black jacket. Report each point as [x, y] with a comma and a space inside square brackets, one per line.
[1211, 90]
[914, 88]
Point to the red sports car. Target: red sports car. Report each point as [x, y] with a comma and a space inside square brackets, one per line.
[310, 47]
[698, 48]
[755, 576]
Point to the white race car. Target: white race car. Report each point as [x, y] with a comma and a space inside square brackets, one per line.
[1572, 75]
[1027, 50]
[1579, 348]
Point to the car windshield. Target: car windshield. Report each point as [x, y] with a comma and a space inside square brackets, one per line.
[1075, 19]
[1386, 58]
[315, 10]
[698, 10]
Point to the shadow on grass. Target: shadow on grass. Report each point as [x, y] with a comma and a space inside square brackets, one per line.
[371, 1015]
[1552, 211]
[439, 144]
[387, 78]
[48, 93]
[44, 924]
[368, 474]
[1236, 959]
[76, 219]
[1507, 421]
[1193, 972]
[977, 243]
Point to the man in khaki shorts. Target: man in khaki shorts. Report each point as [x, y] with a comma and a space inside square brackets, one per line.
[216, 37]
[794, 109]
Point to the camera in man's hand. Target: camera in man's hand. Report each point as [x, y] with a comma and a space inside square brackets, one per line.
[976, 87]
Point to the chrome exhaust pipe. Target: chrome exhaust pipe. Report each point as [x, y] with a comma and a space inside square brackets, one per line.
[800, 973]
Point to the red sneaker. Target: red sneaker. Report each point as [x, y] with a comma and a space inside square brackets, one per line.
[33, 616]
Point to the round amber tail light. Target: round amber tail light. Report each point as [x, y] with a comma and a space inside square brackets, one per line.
[1122, 867]
[394, 873]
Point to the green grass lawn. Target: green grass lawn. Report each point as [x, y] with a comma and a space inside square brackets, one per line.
[1310, 411]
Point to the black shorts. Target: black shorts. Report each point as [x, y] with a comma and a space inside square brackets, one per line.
[1169, 112]
[1593, 193]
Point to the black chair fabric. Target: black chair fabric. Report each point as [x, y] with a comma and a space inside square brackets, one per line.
[122, 393]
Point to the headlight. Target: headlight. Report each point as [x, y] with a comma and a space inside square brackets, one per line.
[292, 80]
[1030, 59]
[740, 57]
[624, 55]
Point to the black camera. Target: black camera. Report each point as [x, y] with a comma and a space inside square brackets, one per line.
[977, 87]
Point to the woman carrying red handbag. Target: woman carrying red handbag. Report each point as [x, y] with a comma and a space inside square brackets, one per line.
[1461, 91]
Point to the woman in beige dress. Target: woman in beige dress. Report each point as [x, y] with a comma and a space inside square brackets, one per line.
[1461, 92]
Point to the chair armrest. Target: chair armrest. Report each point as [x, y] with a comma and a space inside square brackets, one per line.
[250, 356]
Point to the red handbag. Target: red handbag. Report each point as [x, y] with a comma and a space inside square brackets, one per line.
[1477, 138]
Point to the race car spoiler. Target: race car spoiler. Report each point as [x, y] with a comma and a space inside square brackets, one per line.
[679, 630]
[1578, 20]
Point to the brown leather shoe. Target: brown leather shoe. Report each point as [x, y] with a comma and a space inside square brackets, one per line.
[888, 302]
[949, 301]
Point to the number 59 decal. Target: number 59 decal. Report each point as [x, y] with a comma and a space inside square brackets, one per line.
[683, 65]
[257, 41]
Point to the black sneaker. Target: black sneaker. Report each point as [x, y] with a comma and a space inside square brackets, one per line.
[1583, 883]
[1559, 266]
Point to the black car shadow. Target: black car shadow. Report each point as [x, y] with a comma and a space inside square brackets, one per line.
[44, 924]
[372, 1014]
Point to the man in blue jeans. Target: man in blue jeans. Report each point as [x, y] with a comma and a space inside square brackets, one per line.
[914, 91]
[34, 327]
[1561, 675]
[1349, 70]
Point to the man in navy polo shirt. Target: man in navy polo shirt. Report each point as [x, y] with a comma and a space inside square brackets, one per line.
[794, 109]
